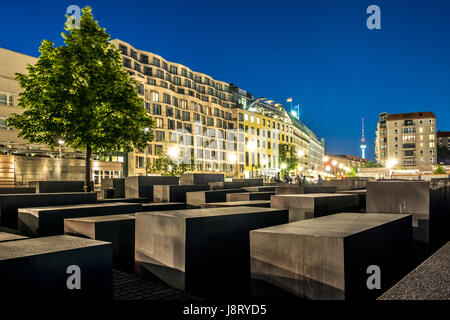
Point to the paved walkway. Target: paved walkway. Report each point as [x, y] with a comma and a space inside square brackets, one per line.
[132, 287]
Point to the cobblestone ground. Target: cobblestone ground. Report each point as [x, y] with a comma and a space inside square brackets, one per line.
[131, 287]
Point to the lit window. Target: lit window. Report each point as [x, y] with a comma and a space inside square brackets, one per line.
[252, 119]
[246, 117]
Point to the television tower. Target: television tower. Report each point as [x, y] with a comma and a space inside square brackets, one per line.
[363, 142]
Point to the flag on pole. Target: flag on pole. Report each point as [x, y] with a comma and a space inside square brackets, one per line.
[289, 100]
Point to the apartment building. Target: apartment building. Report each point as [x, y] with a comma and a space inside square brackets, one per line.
[224, 128]
[22, 161]
[443, 138]
[408, 138]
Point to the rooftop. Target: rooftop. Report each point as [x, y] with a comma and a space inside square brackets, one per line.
[413, 115]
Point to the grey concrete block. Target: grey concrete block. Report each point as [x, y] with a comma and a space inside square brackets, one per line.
[58, 186]
[5, 236]
[253, 203]
[168, 193]
[346, 184]
[248, 196]
[17, 190]
[37, 268]
[49, 221]
[163, 206]
[126, 200]
[362, 194]
[203, 251]
[9, 203]
[117, 229]
[259, 189]
[250, 182]
[198, 198]
[429, 281]
[308, 206]
[225, 185]
[328, 257]
[142, 186]
[200, 178]
[287, 188]
[118, 184]
[430, 207]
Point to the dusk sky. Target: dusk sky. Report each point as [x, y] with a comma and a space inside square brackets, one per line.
[318, 52]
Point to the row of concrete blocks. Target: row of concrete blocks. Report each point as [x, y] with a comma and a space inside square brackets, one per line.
[209, 252]
[198, 219]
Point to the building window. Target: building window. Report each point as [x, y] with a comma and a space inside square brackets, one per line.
[159, 136]
[154, 96]
[124, 49]
[139, 162]
[144, 58]
[159, 123]
[133, 54]
[157, 109]
[126, 63]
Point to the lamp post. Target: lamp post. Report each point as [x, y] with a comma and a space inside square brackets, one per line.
[61, 142]
[390, 164]
[251, 146]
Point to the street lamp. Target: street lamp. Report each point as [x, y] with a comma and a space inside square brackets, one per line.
[283, 166]
[251, 146]
[61, 142]
[300, 153]
[325, 159]
[390, 164]
[173, 151]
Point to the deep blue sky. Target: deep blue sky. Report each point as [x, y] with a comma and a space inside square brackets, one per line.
[318, 52]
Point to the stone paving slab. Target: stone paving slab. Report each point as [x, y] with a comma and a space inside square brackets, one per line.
[129, 286]
[429, 281]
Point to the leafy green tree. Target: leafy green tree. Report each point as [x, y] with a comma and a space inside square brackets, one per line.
[352, 173]
[170, 167]
[439, 170]
[371, 164]
[80, 93]
[443, 153]
[287, 156]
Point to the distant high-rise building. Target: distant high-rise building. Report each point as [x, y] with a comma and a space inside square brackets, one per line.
[363, 142]
[409, 139]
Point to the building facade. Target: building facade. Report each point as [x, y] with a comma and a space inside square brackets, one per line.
[22, 161]
[443, 138]
[224, 128]
[409, 139]
[339, 165]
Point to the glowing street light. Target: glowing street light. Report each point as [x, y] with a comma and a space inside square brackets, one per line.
[173, 152]
[334, 162]
[341, 166]
[325, 159]
[300, 153]
[327, 168]
[251, 146]
[232, 157]
[283, 166]
[391, 163]
[60, 141]
[263, 162]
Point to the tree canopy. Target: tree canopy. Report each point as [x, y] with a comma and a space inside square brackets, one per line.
[79, 93]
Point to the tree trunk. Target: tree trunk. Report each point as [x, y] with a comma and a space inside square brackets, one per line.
[87, 178]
